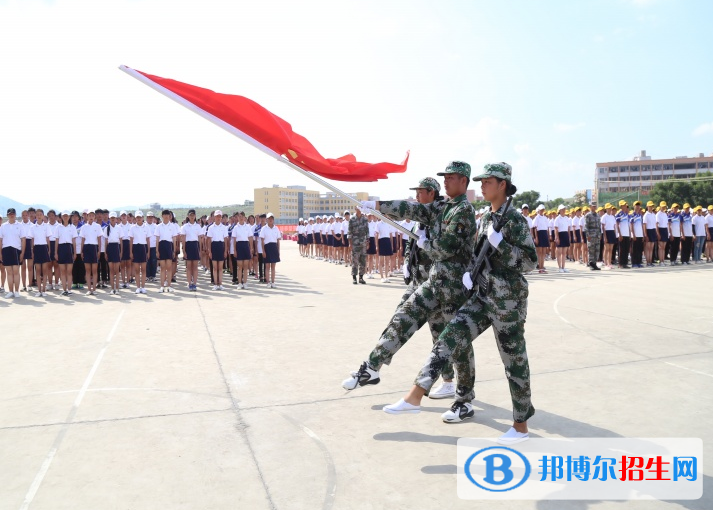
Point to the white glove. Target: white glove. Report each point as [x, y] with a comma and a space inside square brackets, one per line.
[368, 204]
[494, 237]
[407, 273]
[467, 282]
[421, 241]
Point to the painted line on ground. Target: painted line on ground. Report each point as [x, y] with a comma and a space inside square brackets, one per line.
[689, 369]
[47, 462]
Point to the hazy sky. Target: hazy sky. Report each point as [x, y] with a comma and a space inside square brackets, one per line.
[551, 87]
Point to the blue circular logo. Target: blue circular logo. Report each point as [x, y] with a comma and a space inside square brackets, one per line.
[501, 463]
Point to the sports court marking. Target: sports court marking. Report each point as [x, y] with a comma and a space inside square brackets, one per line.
[40, 476]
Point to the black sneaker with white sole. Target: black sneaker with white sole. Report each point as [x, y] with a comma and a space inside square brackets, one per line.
[362, 377]
[458, 412]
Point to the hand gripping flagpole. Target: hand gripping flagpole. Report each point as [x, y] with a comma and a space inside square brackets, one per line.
[234, 131]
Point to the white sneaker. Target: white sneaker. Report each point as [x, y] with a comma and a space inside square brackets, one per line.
[458, 412]
[220, 287]
[383, 280]
[401, 407]
[17, 294]
[445, 390]
[214, 287]
[243, 286]
[9, 295]
[369, 277]
[138, 290]
[44, 294]
[362, 377]
[169, 289]
[565, 270]
[143, 290]
[386, 280]
[38, 294]
[512, 436]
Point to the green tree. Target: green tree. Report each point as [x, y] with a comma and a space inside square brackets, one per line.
[698, 191]
[531, 198]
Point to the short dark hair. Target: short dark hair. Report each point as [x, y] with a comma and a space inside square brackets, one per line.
[165, 212]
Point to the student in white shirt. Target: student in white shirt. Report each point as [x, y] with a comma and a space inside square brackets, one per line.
[91, 232]
[66, 237]
[139, 235]
[191, 233]
[384, 248]
[152, 262]
[662, 228]
[345, 239]
[241, 236]
[12, 251]
[577, 234]
[27, 265]
[563, 227]
[218, 238]
[651, 233]
[166, 240]
[270, 237]
[112, 233]
[40, 234]
[700, 231]
[372, 257]
[124, 227]
[309, 235]
[542, 240]
[609, 227]
[53, 224]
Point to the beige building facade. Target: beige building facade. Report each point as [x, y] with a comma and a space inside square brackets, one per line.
[639, 175]
[290, 203]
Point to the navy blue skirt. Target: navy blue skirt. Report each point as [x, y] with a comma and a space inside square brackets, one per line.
[371, 249]
[139, 254]
[89, 253]
[125, 249]
[310, 238]
[165, 250]
[113, 254]
[317, 238]
[345, 242]
[385, 247]
[542, 239]
[53, 249]
[10, 256]
[330, 240]
[611, 236]
[663, 232]
[217, 251]
[28, 249]
[41, 253]
[272, 255]
[242, 249]
[577, 236]
[64, 253]
[651, 235]
[193, 251]
[564, 240]
[337, 242]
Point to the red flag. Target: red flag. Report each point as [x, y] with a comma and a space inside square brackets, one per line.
[275, 133]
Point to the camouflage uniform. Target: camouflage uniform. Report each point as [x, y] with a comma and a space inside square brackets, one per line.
[593, 228]
[451, 228]
[504, 308]
[359, 238]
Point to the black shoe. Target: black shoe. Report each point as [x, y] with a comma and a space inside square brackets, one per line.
[354, 278]
[593, 266]
[459, 411]
[361, 280]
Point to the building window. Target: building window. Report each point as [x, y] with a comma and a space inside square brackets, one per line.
[658, 167]
[668, 167]
[634, 168]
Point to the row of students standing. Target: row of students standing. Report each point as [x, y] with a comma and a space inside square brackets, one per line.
[105, 249]
[326, 238]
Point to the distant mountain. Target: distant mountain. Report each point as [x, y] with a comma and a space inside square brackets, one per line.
[6, 203]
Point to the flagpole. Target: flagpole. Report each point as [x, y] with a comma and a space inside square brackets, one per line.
[236, 132]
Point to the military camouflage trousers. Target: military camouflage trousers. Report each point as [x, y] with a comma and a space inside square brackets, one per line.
[455, 343]
[358, 259]
[419, 305]
[593, 245]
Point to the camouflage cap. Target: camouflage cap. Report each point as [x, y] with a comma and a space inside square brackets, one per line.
[457, 167]
[500, 170]
[428, 183]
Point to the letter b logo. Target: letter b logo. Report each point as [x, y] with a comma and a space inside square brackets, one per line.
[497, 463]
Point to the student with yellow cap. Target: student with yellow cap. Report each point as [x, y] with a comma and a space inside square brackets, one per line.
[709, 234]
[623, 230]
[637, 234]
[699, 229]
[662, 232]
[674, 226]
[687, 234]
[651, 233]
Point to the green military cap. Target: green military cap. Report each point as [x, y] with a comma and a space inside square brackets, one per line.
[457, 167]
[500, 170]
[428, 183]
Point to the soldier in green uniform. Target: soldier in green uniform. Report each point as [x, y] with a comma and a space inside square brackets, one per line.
[593, 228]
[359, 237]
[502, 305]
[449, 246]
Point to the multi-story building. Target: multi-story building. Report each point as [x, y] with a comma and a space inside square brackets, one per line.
[637, 177]
[290, 203]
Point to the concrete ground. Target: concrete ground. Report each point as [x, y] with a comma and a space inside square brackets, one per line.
[221, 400]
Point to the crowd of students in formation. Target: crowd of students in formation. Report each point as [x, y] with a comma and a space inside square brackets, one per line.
[642, 237]
[105, 250]
[326, 238]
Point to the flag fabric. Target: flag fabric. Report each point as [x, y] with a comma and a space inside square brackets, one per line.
[273, 132]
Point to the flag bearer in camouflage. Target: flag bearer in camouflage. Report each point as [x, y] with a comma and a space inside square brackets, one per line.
[502, 305]
[359, 237]
[449, 246]
[593, 229]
